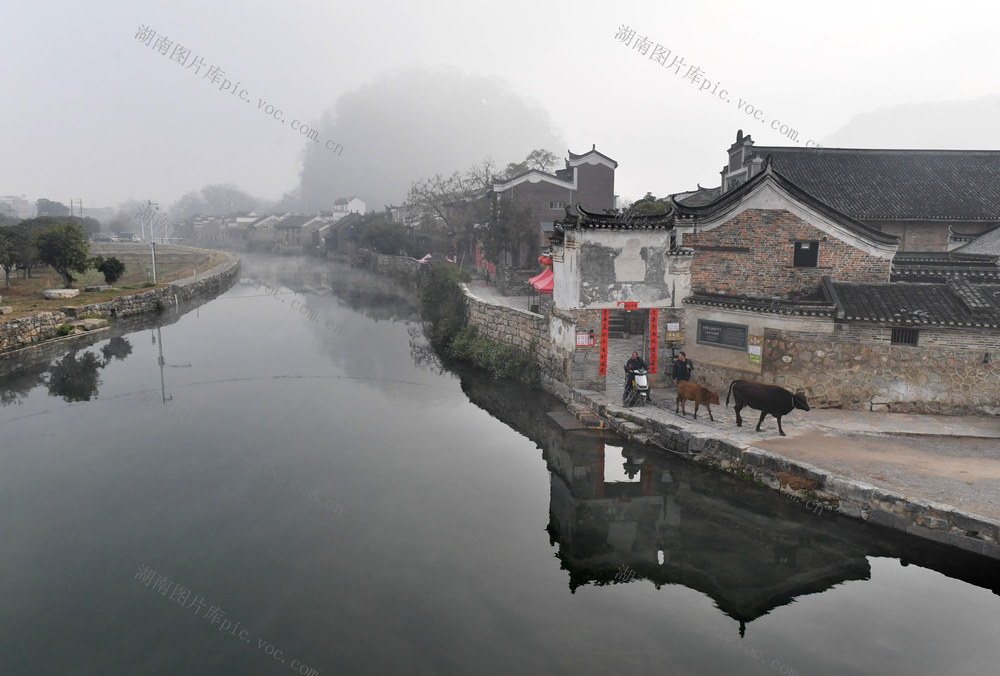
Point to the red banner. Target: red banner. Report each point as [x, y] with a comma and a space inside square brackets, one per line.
[653, 338]
[602, 369]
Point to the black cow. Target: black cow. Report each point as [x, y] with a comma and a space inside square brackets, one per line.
[765, 398]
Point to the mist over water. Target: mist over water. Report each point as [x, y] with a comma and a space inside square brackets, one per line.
[313, 486]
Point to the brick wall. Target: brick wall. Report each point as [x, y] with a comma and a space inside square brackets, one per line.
[752, 255]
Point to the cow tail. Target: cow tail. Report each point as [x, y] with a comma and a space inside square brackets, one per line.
[730, 391]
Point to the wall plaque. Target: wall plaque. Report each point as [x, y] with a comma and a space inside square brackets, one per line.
[722, 334]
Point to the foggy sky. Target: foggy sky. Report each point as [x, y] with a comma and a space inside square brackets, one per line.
[91, 113]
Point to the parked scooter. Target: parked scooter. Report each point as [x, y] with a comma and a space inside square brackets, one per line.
[636, 388]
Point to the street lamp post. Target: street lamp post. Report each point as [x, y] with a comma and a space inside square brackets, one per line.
[152, 239]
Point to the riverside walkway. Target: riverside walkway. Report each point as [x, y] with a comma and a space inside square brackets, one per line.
[934, 476]
[937, 477]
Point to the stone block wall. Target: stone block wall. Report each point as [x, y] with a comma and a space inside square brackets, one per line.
[400, 268]
[26, 331]
[578, 365]
[858, 368]
[510, 326]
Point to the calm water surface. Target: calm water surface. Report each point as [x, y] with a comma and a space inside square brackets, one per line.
[300, 489]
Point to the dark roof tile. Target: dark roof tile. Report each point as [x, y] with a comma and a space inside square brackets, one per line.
[870, 184]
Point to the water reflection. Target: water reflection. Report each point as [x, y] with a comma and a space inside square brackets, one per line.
[621, 514]
[74, 378]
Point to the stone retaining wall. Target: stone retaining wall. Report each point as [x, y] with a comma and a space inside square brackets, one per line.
[510, 326]
[400, 268]
[805, 482]
[17, 333]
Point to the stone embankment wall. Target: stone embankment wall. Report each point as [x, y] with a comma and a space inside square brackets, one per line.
[510, 326]
[804, 482]
[17, 333]
[25, 331]
[860, 369]
[400, 268]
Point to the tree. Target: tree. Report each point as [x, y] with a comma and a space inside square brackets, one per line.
[45, 207]
[382, 235]
[25, 242]
[112, 268]
[513, 230]
[91, 226]
[212, 200]
[457, 203]
[542, 160]
[8, 251]
[538, 159]
[65, 248]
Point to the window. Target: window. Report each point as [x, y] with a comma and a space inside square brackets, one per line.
[557, 205]
[902, 336]
[806, 254]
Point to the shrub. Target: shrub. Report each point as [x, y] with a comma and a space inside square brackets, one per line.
[64, 330]
[112, 268]
[500, 360]
[442, 303]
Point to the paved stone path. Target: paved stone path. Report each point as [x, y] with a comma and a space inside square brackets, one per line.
[946, 459]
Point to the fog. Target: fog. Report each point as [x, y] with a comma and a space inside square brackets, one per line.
[407, 125]
[94, 113]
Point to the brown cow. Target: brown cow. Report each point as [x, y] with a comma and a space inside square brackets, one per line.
[699, 394]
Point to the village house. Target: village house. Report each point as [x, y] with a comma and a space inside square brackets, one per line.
[588, 178]
[347, 205]
[298, 230]
[768, 282]
[933, 200]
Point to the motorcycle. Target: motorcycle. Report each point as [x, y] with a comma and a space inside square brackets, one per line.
[636, 388]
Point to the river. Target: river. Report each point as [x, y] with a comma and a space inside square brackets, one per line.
[283, 480]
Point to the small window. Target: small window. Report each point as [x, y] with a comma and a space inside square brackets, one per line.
[557, 205]
[902, 336]
[806, 254]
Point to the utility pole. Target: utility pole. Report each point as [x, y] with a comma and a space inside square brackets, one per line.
[152, 240]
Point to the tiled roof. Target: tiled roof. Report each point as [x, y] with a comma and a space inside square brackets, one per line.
[926, 266]
[872, 184]
[592, 151]
[955, 304]
[699, 197]
[721, 204]
[769, 306]
[593, 220]
[986, 243]
[293, 221]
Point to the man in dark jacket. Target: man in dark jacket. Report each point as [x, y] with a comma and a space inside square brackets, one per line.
[633, 364]
[682, 368]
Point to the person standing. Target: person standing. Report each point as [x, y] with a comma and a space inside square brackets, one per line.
[682, 368]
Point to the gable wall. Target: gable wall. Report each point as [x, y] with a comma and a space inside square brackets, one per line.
[752, 254]
[595, 187]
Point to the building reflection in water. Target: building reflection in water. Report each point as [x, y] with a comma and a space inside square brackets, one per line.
[623, 514]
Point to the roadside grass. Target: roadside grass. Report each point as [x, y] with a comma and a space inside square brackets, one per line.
[172, 263]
